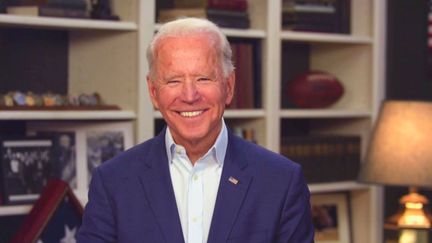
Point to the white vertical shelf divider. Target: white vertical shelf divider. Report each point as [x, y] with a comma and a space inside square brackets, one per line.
[145, 120]
[272, 69]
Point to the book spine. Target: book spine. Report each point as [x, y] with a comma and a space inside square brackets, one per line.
[62, 12]
[227, 22]
[321, 16]
[69, 4]
[237, 5]
[324, 158]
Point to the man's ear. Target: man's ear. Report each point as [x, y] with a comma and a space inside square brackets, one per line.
[152, 89]
[230, 87]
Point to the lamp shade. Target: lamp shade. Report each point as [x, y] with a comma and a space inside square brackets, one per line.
[400, 150]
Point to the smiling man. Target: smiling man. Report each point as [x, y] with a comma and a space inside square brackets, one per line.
[196, 182]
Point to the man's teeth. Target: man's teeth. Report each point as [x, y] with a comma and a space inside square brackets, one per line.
[190, 113]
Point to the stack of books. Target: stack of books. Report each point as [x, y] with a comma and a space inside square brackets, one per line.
[225, 13]
[229, 13]
[50, 8]
[330, 16]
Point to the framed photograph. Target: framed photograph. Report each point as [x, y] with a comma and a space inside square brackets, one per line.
[26, 167]
[64, 154]
[90, 144]
[331, 218]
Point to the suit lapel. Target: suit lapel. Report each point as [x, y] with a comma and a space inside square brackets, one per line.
[230, 194]
[159, 191]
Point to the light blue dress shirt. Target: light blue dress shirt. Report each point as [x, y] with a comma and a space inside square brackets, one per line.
[195, 186]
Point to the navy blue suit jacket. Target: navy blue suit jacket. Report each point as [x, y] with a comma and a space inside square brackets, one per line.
[131, 199]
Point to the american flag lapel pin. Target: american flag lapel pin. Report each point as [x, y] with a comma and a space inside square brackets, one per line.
[233, 180]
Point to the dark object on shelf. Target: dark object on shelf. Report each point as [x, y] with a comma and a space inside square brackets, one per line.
[236, 5]
[69, 4]
[26, 167]
[229, 19]
[48, 11]
[325, 158]
[101, 9]
[55, 217]
[314, 89]
[332, 16]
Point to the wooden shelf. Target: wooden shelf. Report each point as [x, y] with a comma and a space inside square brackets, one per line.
[324, 37]
[325, 113]
[67, 115]
[15, 210]
[65, 23]
[337, 186]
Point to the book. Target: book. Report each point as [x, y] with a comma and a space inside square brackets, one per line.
[229, 19]
[166, 15]
[247, 71]
[74, 4]
[47, 11]
[244, 76]
[190, 3]
[236, 5]
[332, 16]
[327, 158]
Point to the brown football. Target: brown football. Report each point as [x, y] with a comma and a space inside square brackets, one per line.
[314, 89]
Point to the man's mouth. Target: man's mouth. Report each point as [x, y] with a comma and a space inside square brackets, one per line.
[191, 113]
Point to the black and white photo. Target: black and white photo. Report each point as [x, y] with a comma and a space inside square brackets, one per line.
[79, 147]
[102, 146]
[26, 168]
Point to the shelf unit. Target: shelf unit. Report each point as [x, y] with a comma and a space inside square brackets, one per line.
[109, 57]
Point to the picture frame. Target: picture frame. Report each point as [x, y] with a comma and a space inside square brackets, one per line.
[25, 168]
[331, 218]
[55, 217]
[95, 142]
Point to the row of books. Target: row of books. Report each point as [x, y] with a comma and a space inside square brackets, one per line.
[62, 8]
[331, 16]
[225, 13]
[327, 158]
[246, 60]
[50, 8]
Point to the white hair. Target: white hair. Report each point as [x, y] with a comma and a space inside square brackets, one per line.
[188, 26]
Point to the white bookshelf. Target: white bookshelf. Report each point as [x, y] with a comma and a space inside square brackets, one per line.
[340, 186]
[109, 57]
[325, 113]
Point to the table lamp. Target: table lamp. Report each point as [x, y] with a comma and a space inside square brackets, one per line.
[400, 154]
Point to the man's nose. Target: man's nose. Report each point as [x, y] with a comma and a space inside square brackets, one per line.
[190, 91]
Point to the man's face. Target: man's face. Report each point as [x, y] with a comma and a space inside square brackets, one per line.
[189, 88]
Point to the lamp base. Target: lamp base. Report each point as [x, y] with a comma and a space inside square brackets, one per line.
[413, 214]
[413, 236]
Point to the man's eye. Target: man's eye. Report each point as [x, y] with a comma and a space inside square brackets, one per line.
[203, 79]
[173, 81]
